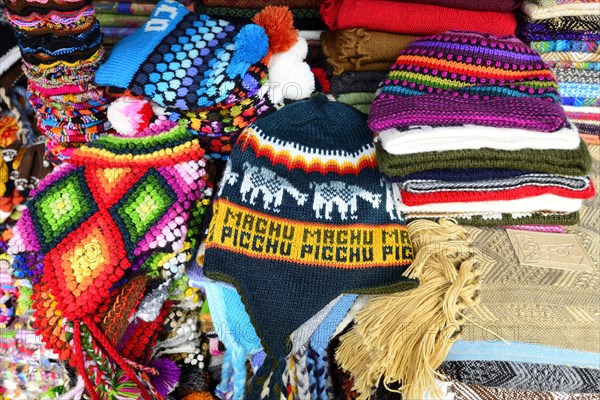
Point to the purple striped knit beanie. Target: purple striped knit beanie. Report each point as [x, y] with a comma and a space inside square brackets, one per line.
[457, 78]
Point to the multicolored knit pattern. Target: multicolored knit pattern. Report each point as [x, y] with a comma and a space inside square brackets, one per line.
[458, 78]
[584, 65]
[587, 121]
[61, 75]
[580, 90]
[188, 61]
[218, 128]
[120, 211]
[116, 201]
[581, 46]
[50, 47]
[563, 28]
[302, 203]
[576, 75]
[52, 19]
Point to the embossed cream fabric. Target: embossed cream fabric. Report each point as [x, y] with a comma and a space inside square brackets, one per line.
[538, 305]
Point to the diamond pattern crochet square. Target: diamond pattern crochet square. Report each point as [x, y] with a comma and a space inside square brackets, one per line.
[57, 210]
[115, 204]
[143, 206]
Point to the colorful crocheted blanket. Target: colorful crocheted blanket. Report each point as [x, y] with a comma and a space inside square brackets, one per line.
[121, 210]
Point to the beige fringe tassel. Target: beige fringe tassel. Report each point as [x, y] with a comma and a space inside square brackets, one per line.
[404, 337]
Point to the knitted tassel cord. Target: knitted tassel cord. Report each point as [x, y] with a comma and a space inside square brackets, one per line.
[78, 359]
[111, 351]
[404, 337]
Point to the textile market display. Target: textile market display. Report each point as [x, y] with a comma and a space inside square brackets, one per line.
[564, 34]
[181, 218]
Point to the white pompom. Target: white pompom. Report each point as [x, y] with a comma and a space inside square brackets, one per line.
[289, 76]
[130, 115]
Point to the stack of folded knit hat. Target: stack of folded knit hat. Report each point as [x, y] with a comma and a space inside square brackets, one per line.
[220, 76]
[365, 37]
[61, 45]
[470, 126]
[567, 35]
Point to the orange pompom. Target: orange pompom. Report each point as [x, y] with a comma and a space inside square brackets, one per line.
[278, 22]
[199, 396]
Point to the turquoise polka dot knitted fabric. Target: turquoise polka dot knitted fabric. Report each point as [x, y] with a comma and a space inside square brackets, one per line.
[188, 61]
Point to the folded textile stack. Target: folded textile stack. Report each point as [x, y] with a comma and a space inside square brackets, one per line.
[470, 126]
[510, 351]
[366, 37]
[499, 338]
[219, 76]
[61, 45]
[119, 19]
[241, 12]
[567, 35]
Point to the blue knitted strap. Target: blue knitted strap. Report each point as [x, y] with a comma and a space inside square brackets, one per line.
[225, 388]
[128, 54]
[317, 360]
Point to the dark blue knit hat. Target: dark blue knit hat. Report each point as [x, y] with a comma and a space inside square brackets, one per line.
[303, 215]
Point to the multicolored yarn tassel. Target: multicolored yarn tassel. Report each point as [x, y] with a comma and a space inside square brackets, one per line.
[317, 358]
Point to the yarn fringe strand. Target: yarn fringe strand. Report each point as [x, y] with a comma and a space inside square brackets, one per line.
[404, 337]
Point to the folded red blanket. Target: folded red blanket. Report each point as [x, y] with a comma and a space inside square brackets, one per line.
[482, 5]
[412, 18]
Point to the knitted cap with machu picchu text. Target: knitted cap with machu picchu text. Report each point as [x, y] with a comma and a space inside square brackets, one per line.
[458, 78]
[301, 216]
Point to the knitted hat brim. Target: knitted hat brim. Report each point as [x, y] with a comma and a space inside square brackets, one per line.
[424, 138]
[452, 109]
[565, 162]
